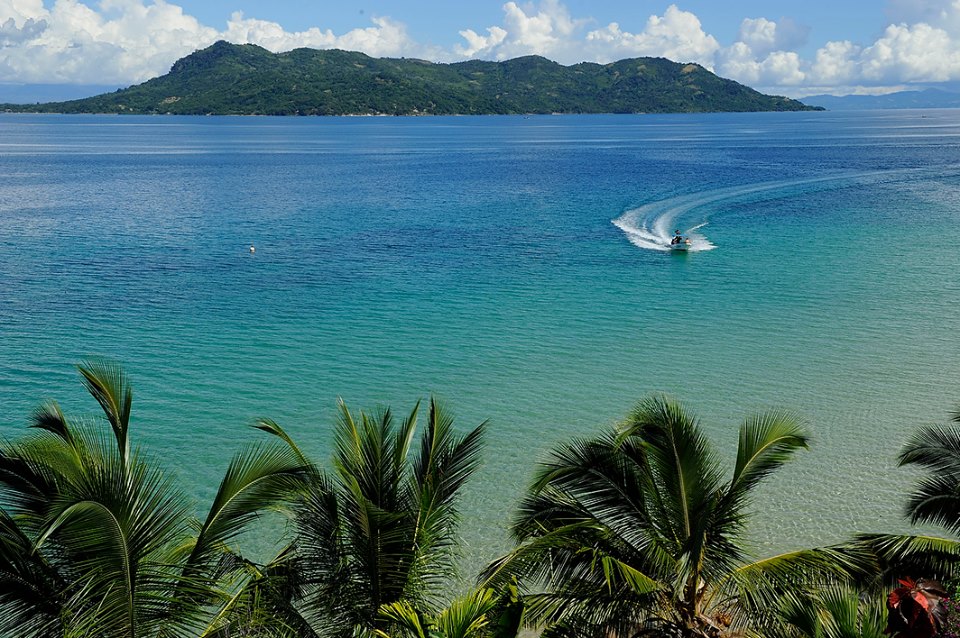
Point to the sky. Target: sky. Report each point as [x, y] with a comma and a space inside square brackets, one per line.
[793, 48]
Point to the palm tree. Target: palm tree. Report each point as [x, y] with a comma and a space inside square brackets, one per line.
[480, 613]
[934, 501]
[94, 540]
[379, 530]
[637, 533]
[836, 611]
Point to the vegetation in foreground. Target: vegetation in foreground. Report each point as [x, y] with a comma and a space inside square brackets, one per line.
[233, 79]
[636, 532]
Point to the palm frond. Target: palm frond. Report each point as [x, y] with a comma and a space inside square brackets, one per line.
[681, 463]
[107, 383]
[334, 586]
[114, 530]
[445, 462]
[405, 435]
[767, 441]
[588, 615]
[273, 428]
[31, 602]
[916, 556]
[935, 447]
[257, 479]
[264, 603]
[95, 541]
[834, 611]
[407, 620]
[50, 417]
[935, 500]
[571, 563]
[839, 564]
[602, 484]
[634, 532]
[467, 615]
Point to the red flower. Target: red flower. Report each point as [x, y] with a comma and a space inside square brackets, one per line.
[916, 610]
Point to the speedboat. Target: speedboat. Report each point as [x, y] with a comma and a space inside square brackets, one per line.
[681, 246]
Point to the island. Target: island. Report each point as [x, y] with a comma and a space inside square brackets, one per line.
[234, 79]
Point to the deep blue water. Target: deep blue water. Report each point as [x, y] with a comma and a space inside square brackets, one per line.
[478, 259]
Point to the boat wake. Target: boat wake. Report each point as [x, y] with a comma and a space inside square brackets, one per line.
[651, 226]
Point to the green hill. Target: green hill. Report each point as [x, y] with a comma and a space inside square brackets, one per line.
[231, 79]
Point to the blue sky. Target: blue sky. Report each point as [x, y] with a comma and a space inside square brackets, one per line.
[795, 49]
[438, 22]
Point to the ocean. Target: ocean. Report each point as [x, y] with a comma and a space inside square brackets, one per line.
[515, 267]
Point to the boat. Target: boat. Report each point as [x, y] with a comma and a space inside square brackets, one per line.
[681, 246]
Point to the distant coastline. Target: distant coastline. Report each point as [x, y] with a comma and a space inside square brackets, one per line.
[926, 99]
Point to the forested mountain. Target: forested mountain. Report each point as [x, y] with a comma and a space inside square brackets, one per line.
[249, 80]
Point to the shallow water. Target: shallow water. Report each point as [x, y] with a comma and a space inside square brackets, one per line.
[512, 266]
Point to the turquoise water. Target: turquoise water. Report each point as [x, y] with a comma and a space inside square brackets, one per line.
[512, 266]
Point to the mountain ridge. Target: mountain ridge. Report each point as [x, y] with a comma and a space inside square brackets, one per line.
[232, 79]
[930, 98]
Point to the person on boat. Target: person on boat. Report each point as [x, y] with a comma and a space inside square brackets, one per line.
[677, 238]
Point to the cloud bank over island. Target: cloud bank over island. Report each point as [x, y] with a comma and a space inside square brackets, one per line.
[125, 42]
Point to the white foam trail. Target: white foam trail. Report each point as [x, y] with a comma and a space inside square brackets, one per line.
[651, 226]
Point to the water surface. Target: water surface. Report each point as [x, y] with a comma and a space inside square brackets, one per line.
[513, 267]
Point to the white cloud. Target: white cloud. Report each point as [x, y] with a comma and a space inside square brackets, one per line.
[765, 36]
[128, 41]
[386, 38]
[546, 30]
[758, 34]
[836, 63]
[779, 68]
[677, 35]
[22, 10]
[938, 13]
[124, 42]
[912, 53]
[478, 44]
[10, 35]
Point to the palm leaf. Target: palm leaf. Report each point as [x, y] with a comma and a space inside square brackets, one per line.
[108, 384]
[635, 533]
[264, 602]
[767, 441]
[95, 541]
[935, 447]
[904, 555]
[935, 500]
[31, 603]
[273, 428]
[834, 611]
[467, 615]
[115, 529]
[407, 620]
[681, 464]
[770, 577]
[257, 479]
[443, 465]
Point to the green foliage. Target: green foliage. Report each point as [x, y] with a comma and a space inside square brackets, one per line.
[935, 500]
[835, 612]
[94, 540]
[230, 79]
[379, 531]
[636, 532]
[480, 613]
